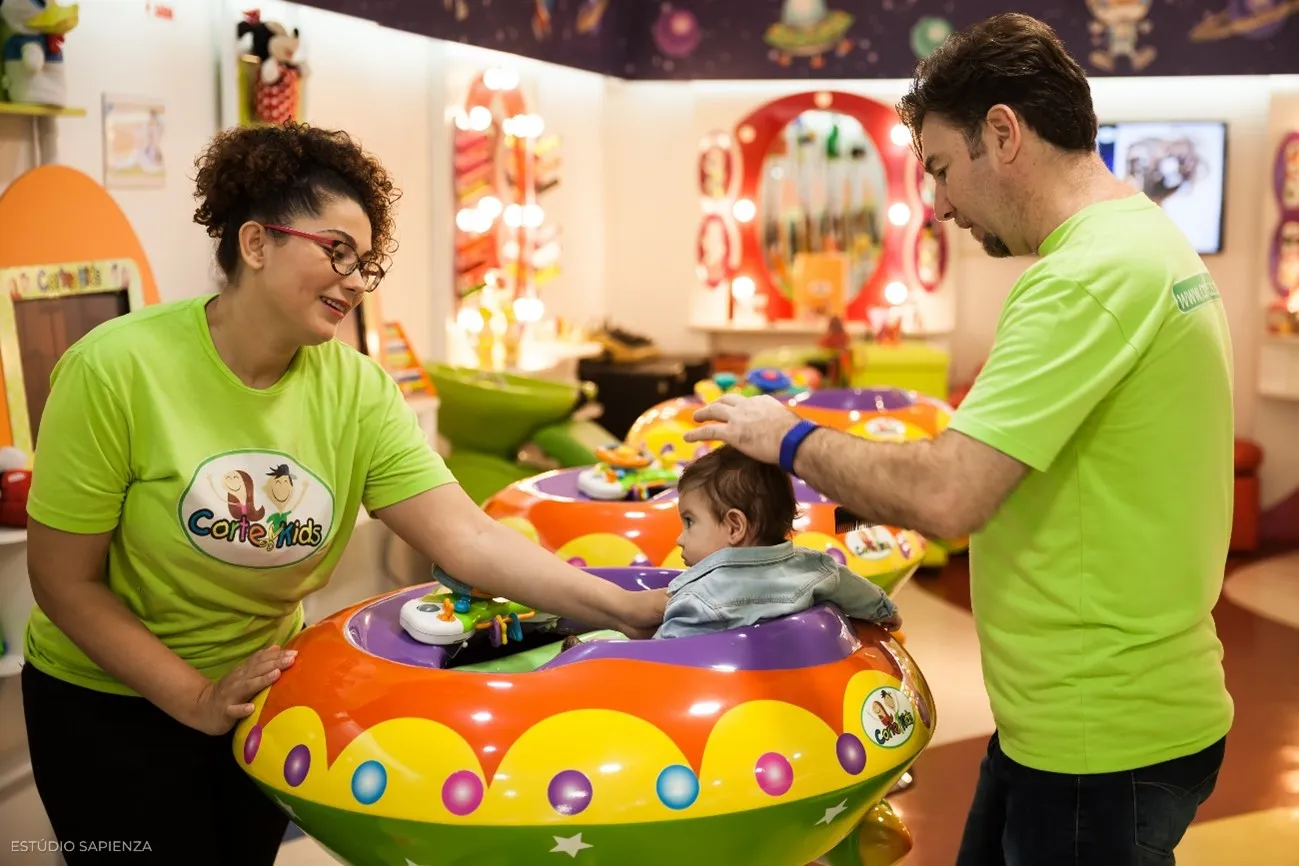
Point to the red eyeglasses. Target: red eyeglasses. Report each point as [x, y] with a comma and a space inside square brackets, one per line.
[342, 256]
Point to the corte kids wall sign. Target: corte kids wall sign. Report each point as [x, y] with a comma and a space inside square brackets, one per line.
[271, 72]
[69, 261]
[28, 351]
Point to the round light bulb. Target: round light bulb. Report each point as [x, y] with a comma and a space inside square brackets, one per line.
[743, 288]
[500, 78]
[528, 309]
[899, 135]
[526, 125]
[744, 210]
[470, 221]
[899, 213]
[480, 118]
[470, 320]
[896, 293]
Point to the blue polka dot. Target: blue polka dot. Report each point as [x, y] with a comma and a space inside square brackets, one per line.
[678, 787]
[369, 782]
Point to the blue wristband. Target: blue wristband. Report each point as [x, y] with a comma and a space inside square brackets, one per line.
[790, 444]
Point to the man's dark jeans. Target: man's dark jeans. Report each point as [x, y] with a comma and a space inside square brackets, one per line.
[1025, 817]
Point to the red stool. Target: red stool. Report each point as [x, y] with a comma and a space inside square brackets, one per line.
[1245, 514]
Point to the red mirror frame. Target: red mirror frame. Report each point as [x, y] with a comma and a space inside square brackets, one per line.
[754, 135]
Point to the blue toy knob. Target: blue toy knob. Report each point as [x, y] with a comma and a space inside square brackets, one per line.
[768, 380]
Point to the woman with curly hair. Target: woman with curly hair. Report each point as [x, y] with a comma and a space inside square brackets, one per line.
[160, 615]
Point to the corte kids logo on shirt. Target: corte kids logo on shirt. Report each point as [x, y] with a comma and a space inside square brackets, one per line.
[1195, 292]
[888, 717]
[259, 509]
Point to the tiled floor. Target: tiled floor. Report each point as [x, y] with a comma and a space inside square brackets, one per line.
[1252, 818]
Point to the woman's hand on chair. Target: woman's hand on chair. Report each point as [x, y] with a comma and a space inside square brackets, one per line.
[222, 704]
[642, 613]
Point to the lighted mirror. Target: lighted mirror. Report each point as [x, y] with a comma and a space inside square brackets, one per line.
[827, 213]
[821, 206]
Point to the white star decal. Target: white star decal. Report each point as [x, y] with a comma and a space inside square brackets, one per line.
[833, 812]
[570, 846]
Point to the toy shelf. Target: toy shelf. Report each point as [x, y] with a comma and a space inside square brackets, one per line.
[31, 110]
[16, 599]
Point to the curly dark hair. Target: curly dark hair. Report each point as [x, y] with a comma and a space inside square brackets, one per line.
[1012, 60]
[763, 493]
[274, 173]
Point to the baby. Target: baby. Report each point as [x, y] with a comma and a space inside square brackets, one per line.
[736, 518]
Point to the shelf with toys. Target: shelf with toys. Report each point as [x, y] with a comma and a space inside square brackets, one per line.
[26, 109]
[16, 599]
[36, 88]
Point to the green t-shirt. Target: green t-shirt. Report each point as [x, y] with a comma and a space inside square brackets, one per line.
[230, 504]
[1093, 586]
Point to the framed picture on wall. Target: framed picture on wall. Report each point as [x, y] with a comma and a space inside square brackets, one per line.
[133, 133]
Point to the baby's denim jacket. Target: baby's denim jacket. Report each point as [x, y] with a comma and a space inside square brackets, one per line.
[739, 586]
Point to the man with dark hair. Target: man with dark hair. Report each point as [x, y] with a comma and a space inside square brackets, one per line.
[1091, 461]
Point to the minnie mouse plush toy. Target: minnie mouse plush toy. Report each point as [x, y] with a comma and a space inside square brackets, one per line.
[277, 90]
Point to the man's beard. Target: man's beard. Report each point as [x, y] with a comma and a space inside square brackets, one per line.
[996, 247]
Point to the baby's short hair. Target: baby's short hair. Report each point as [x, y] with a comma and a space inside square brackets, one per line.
[763, 493]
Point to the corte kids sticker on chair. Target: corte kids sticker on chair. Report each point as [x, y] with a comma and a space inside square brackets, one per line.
[1118, 27]
[225, 515]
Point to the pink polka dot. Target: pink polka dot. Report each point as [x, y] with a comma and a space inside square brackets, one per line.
[774, 773]
[462, 793]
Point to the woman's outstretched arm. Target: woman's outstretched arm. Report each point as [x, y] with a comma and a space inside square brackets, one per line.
[447, 527]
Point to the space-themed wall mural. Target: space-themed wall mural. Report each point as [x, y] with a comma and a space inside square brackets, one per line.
[837, 39]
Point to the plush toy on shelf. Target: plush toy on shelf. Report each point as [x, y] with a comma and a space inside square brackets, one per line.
[15, 482]
[31, 33]
[273, 92]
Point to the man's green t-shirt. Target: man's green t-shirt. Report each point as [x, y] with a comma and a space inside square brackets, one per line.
[231, 504]
[1093, 586]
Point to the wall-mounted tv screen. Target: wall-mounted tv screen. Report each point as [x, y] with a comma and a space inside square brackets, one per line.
[1180, 165]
